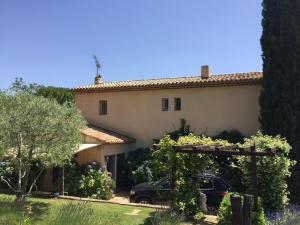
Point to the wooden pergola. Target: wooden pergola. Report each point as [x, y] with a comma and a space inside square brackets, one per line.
[222, 150]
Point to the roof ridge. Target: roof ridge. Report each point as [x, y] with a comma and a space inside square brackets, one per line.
[240, 78]
[187, 76]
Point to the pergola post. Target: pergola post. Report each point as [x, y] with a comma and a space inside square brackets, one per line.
[254, 180]
[173, 178]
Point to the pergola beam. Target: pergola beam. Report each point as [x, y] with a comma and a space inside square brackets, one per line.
[222, 150]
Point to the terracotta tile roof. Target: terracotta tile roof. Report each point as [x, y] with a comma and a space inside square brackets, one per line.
[235, 79]
[106, 136]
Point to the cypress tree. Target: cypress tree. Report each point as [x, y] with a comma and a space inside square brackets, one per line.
[280, 95]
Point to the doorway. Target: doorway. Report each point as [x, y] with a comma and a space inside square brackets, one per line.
[111, 165]
[116, 165]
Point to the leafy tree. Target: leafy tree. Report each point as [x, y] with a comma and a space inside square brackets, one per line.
[280, 96]
[61, 95]
[36, 132]
[20, 86]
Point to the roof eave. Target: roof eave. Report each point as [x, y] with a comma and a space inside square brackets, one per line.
[256, 81]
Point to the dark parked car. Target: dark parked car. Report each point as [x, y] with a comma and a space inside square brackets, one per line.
[157, 192]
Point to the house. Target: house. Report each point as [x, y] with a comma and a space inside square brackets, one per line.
[126, 115]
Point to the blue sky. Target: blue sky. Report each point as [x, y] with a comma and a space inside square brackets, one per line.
[52, 42]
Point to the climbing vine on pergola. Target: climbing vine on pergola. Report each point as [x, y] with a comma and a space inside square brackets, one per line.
[223, 150]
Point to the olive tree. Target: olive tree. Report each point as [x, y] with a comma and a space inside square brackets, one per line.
[35, 132]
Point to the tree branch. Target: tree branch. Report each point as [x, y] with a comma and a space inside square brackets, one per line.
[35, 180]
[20, 143]
[8, 184]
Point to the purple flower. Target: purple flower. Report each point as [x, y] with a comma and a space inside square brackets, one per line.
[94, 163]
[290, 213]
[109, 174]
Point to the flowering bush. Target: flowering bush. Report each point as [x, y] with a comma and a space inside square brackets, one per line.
[96, 182]
[142, 173]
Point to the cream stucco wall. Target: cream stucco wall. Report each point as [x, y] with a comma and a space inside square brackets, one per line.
[98, 153]
[138, 114]
[89, 155]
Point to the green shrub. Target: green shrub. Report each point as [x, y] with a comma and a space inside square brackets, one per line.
[97, 182]
[73, 172]
[183, 130]
[272, 171]
[225, 213]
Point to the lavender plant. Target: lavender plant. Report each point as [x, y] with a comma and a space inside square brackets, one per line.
[289, 216]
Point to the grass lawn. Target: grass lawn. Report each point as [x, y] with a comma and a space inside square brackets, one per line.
[45, 210]
[40, 211]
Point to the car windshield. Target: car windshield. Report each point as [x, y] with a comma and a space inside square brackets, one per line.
[206, 183]
[163, 180]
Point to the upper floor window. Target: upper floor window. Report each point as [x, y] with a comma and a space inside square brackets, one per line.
[102, 107]
[177, 104]
[164, 104]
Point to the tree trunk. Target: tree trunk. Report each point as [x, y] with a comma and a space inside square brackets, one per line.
[35, 180]
[19, 192]
[27, 170]
[25, 181]
[63, 181]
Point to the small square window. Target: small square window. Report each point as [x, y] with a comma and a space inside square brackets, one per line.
[102, 107]
[177, 104]
[164, 104]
